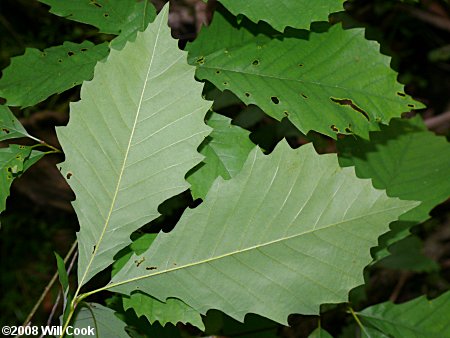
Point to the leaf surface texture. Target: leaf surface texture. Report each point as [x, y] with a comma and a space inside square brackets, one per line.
[35, 75]
[102, 319]
[417, 318]
[293, 228]
[282, 13]
[130, 141]
[172, 311]
[14, 161]
[10, 127]
[109, 16]
[335, 82]
[225, 151]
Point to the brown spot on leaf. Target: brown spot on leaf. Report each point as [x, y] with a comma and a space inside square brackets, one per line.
[139, 262]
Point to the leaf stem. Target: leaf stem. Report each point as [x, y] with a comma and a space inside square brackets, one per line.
[48, 287]
[358, 321]
[45, 144]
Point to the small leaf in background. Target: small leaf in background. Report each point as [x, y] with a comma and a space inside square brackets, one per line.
[319, 333]
[281, 14]
[10, 127]
[293, 230]
[101, 319]
[109, 16]
[12, 164]
[419, 317]
[297, 78]
[138, 20]
[225, 151]
[62, 273]
[398, 158]
[219, 324]
[130, 141]
[407, 254]
[34, 76]
[64, 281]
[138, 246]
[172, 311]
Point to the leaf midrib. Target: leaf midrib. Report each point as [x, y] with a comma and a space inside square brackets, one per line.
[109, 286]
[113, 202]
[281, 78]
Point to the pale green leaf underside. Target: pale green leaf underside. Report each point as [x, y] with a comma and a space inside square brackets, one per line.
[282, 13]
[102, 319]
[417, 318]
[35, 75]
[109, 16]
[172, 311]
[130, 141]
[335, 82]
[293, 229]
[225, 151]
[10, 127]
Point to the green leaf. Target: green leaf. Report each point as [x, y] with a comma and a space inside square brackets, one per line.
[32, 159]
[64, 281]
[293, 229]
[62, 273]
[298, 78]
[172, 311]
[138, 246]
[398, 159]
[11, 166]
[34, 76]
[419, 317]
[280, 14]
[137, 20]
[225, 151]
[109, 16]
[254, 326]
[10, 127]
[407, 254]
[101, 319]
[130, 141]
[319, 333]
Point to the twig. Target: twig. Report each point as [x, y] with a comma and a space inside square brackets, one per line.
[48, 287]
[438, 121]
[361, 326]
[433, 19]
[404, 276]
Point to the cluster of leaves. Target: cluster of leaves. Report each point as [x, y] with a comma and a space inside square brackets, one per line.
[277, 232]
